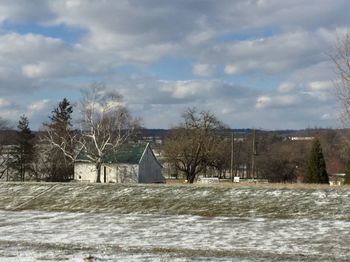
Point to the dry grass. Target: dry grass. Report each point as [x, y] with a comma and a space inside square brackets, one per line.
[258, 185]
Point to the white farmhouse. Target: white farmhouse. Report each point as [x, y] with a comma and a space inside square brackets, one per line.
[132, 163]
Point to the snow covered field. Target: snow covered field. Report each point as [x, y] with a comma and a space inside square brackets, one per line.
[67, 222]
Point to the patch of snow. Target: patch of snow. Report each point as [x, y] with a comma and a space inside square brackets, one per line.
[101, 233]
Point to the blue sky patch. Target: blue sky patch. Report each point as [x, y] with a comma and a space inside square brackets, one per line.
[70, 35]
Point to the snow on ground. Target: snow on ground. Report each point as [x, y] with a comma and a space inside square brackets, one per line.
[41, 235]
[315, 227]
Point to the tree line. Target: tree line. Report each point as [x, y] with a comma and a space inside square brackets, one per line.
[28, 156]
[200, 145]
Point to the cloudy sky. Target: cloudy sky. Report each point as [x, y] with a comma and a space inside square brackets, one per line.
[254, 63]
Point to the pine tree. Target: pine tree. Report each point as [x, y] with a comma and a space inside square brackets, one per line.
[24, 149]
[59, 131]
[347, 172]
[316, 172]
[61, 116]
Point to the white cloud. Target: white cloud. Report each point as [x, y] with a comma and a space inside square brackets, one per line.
[227, 110]
[286, 87]
[320, 86]
[231, 69]
[322, 96]
[10, 114]
[4, 102]
[187, 89]
[263, 101]
[326, 116]
[32, 62]
[276, 54]
[36, 56]
[276, 101]
[25, 11]
[33, 70]
[38, 106]
[205, 70]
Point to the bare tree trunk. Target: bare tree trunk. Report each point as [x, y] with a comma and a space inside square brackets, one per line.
[191, 177]
[98, 168]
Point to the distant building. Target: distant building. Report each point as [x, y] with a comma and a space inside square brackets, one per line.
[131, 163]
[336, 179]
[301, 138]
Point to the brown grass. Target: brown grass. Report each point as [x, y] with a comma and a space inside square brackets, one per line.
[179, 182]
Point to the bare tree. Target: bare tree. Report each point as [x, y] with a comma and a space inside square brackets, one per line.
[341, 58]
[106, 124]
[5, 154]
[219, 157]
[191, 145]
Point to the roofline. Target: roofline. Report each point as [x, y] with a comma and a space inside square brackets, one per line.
[84, 161]
[144, 152]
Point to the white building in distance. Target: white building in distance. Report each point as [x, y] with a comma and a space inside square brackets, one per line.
[131, 163]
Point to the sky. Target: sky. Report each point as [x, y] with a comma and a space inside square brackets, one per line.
[253, 63]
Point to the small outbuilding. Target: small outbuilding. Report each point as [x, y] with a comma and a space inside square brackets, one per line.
[131, 163]
[336, 179]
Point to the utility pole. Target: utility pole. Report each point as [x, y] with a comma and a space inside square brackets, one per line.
[232, 153]
[253, 156]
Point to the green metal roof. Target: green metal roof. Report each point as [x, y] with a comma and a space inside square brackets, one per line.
[126, 154]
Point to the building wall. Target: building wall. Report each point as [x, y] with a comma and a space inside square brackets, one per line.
[150, 171]
[110, 173]
[85, 172]
[119, 173]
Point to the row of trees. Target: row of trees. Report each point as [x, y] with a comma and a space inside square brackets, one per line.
[201, 143]
[26, 155]
[198, 145]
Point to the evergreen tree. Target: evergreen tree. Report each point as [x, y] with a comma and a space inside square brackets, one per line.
[24, 149]
[316, 172]
[59, 131]
[347, 172]
[62, 115]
